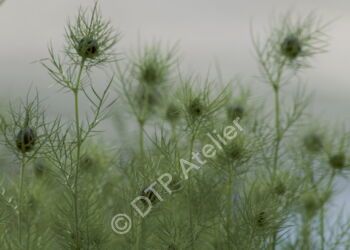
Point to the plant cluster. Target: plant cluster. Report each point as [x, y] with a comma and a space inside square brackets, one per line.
[271, 187]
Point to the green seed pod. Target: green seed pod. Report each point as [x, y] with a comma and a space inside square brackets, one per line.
[88, 48]
[280, 189]
[25, 140]
[195, 108]
[313, 143]
[149, 75]
[173, 113]
[310, 202]
[261, 219]
[291, 47]
[337, 161]
[172, 247]
[234, 111]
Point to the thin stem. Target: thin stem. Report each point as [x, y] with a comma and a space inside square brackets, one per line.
[142, 140]
[277, 127]
[189, 193]
[78, 138]
[20, 200]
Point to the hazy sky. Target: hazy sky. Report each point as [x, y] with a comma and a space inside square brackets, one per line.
[208, 31]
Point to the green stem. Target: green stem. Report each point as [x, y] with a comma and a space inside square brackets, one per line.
[20, 200]
[277, 127]
[190, 189]
[78, 138]
[142, 140]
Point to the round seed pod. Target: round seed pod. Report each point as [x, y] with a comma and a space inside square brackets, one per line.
[313, 143]
[291, 47]
[149, 74]
[280, 189]
[173, 113]
[25, 140]
[234, 112]
[337, 161]
[88, 48]
[195, 108]
[310, 202]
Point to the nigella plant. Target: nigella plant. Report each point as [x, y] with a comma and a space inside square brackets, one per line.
[89, 44]
[145, 82]
[24, 132]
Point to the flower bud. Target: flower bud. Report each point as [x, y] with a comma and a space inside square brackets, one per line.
[337, 161]
[291, 47]
[88, 48]
[234, 111]
[25, 140]
[195, 108]
[313, 143]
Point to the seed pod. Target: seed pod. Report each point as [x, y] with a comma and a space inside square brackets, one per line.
[311, 203]
[234, 151]
[313, 143]
[280, 188]
[234, 112]
[291, 47]
[195, 108]
[172, 247]
[261, 219]
[337, 161]
[173, 113]
[88, 48]
[149, 74]
[25, 140]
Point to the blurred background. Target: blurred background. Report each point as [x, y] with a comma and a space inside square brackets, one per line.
[208, 32]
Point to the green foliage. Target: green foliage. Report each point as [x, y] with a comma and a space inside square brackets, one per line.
[268, 187]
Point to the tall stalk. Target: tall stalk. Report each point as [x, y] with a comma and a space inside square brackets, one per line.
[20, 200]
[78, 139]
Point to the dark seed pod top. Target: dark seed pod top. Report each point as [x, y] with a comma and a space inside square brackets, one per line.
[150, 75]
[234, 111]
[261, 219]
[280, 188]
[195, 108]
[88, 48]
[291, 47]
[337, 161]
[313, 143]
[172, 247]
[25, 140]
